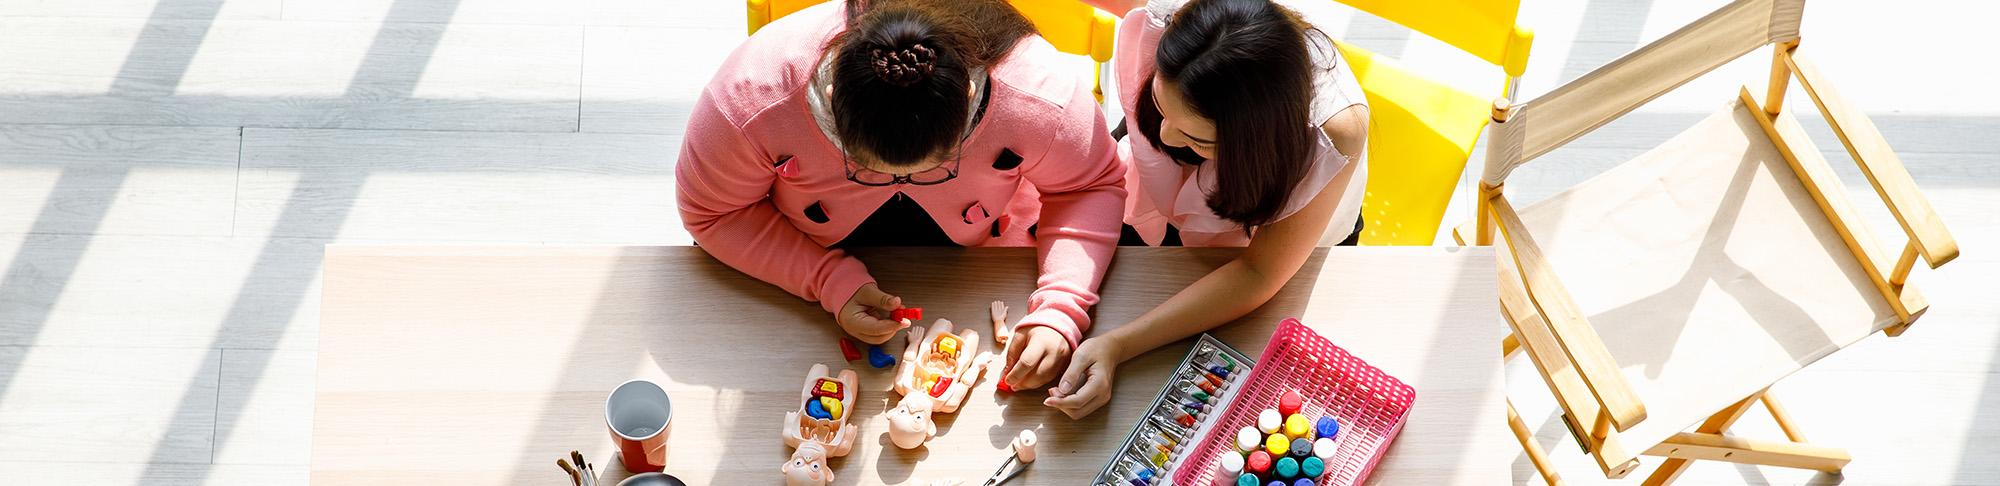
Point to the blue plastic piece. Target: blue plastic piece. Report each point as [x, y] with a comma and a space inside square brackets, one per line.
[879, 358]
[1304, 482]
[814, 410]
[1328, 427]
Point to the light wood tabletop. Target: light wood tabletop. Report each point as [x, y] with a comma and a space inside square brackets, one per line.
[482, 365]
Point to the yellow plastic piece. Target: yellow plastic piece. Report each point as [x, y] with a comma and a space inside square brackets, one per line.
[948, 344]
[1071, 26]
[1420, 131]
[832, 406]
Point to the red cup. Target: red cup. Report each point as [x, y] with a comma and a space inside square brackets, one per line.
[640, 417]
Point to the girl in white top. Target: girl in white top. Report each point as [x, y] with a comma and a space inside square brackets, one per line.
[1244, 128]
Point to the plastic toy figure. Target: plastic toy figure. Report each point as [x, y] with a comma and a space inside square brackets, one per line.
[819, 428]
[936, 372]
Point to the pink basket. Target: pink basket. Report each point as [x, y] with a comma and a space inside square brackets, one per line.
[1370, 404]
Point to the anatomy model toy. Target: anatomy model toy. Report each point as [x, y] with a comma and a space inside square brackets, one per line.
[936, 372]
[819, 428]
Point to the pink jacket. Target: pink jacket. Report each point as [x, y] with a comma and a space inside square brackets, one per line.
[774, 222]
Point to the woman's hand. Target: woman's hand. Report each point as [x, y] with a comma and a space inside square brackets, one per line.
[1087, 384]
[1035, 356]
[863, 315]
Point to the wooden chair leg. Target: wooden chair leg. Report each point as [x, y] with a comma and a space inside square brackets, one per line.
[1673, 466]
[1536, 455]
[1783, 418]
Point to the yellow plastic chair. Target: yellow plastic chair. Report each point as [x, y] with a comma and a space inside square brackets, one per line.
[1420, 131]
[1069, 25]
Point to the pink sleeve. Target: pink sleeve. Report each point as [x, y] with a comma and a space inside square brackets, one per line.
[724, 187]
[1083, 199]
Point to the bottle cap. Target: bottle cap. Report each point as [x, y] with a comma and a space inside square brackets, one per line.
[1248, 439]
[1290, 402]
[1328, 427]
[1312, 467]
[1258, 463]
[1268, 421]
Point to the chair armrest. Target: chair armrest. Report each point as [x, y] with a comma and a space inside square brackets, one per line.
[1883, 168]
[1579, 342]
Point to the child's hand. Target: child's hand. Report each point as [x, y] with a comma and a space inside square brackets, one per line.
[1035, 356]
[861, 316]
[1087, 384]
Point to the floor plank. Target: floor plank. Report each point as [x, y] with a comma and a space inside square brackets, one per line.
[251, 73]
[159, 292]
[700, 14]
[159, 9]
[106, 403]
[117, 180]
[266, 407]
[571, 188]
[645, 80]
[38, 473]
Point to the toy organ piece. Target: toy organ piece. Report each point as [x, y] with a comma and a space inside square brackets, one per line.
[819, 428]
[937, 371]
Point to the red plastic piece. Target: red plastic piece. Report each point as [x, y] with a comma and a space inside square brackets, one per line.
[848, 350]
[913, 314]
[1290, 402]
[830, 388]
[937, 389]
[1003, 386]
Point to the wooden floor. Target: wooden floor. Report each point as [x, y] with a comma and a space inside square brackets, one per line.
[170, 170]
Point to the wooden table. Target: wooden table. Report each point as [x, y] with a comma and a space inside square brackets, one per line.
[482, 365]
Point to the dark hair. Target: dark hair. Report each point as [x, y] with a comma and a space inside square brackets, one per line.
[1245, 65]
[902, 67]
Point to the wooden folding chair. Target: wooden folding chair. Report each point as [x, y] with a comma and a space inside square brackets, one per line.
[1660, 299]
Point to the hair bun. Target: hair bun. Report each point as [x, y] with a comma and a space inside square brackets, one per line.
[903, 66]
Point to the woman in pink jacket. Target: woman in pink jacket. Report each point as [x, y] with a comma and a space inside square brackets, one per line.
[905, 122]
[1245, 129]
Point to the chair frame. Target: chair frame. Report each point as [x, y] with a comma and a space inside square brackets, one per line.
[1547, 324]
